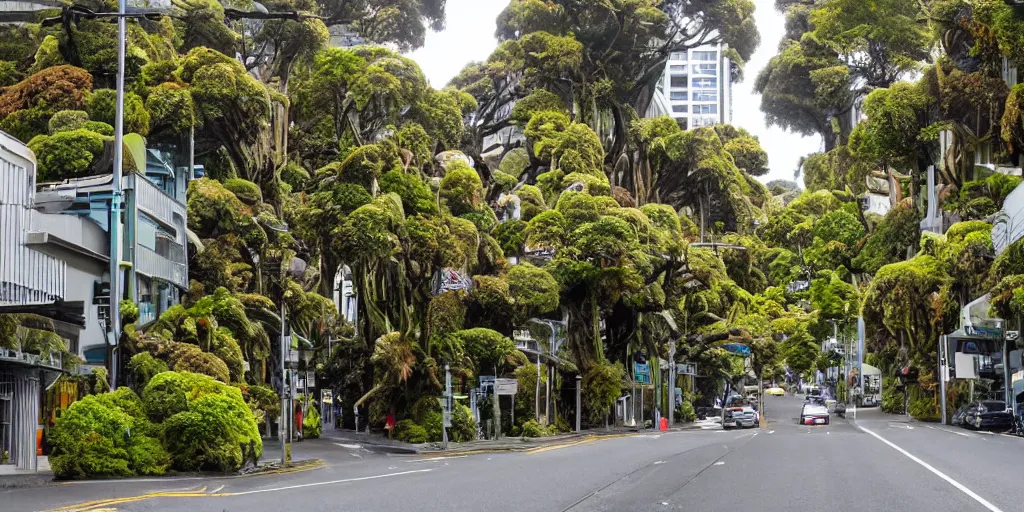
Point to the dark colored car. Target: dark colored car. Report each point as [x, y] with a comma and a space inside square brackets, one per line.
[988, 415]
[958, 416]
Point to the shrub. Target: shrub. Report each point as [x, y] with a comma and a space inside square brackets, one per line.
[263, 401]
[144, 367]
[407, 431]
[52, 89]
[171, 109]
[533, 429]
[67, 120]
[312, 424]
[169, 393]
[461, 188]
[106, 435]
[925, 408]
[67, 154]
[601, 387]
[463, 425]
[211, 434]
[197, 361]
[99, 127]
[102, 105]
[685, 412]
[246, 191]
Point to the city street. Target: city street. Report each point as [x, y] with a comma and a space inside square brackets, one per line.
[782, 467]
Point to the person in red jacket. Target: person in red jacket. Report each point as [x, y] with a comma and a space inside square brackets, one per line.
[298, 421]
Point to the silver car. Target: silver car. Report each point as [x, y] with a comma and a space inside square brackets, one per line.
[814, 414]
[739, 416]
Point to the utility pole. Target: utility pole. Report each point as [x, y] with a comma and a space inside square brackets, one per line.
[447, 413]
[671, 383]
[579, 411]
[496, 407]
[942, 376]
[537, 393]
[282, 432]
[115, 199]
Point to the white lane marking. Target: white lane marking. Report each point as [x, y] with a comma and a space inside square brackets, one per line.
[985, 503]
[349, 446]
[659, 462]
[720, 463]
[964, 434]
[356, 455]
[828, 433]
[1007, 435]
[771, 431]
[986, 432]
[332, 482]
[435, 459]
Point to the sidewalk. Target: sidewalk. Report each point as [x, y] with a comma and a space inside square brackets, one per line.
[505, 444]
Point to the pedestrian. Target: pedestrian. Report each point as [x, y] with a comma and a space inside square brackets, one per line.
[298, 421]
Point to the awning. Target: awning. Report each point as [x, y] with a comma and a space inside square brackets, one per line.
[975, 321]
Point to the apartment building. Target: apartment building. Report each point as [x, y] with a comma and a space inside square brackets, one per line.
[697, 87]
[55, 256]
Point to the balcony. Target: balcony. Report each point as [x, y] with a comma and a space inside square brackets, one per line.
[159, 206]
[152, 264]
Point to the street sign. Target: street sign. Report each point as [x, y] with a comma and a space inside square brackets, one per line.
[506, 386]
[641, 373]
[686, 369]
[447, 418]
[736, 348]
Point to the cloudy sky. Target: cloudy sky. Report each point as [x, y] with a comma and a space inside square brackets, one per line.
[470, 37]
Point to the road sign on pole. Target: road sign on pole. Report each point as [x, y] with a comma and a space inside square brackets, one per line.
[506, 386]
[686, 369]
[642, 373]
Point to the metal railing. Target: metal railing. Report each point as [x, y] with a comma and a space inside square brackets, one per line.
[152, 264]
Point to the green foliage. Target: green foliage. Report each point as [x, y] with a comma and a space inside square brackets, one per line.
[461, 189]
[602, 385]
[102, 105]
[487, 348]
[246, 191]
[171, 109]
[925, 408]
[686, 412]
[463, 426]
[312, 424]
[67, 120]
[407, 431]
[417, 198]
[533, 429]
[889, 241]
[144, 367]
[106, 436]
[66, 154]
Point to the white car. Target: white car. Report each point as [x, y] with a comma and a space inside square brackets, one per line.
[814, 414]
[740, 416]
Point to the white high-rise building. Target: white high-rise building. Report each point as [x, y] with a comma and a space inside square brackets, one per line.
[696, 88]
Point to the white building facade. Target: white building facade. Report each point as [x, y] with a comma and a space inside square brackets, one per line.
[697, 86]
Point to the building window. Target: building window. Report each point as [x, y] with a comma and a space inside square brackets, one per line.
[709, 68]
[681, 69]
[705, 83]
[678, 56]
[705, 56]
[705, 109]
[704, 121]
[680, 108]
[679, 96]
[678, 81]
[702, 95]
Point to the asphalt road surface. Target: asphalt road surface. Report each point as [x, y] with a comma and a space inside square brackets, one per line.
[873, 463]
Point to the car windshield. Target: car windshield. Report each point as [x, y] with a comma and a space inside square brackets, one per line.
[994, 406]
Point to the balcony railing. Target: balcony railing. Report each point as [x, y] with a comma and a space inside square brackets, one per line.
[160, 206]
[152, 264]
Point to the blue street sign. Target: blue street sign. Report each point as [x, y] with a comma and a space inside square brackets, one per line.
[642, 373]
[734, 348]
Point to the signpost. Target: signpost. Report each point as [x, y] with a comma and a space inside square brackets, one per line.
[642, 373]
[506, 387]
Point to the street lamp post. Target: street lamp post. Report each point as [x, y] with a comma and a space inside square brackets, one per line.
[281, 434]
[579, 411]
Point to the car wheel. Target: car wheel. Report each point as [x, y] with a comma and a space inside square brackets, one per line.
[826, 421]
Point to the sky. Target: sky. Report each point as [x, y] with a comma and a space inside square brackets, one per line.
[469, 37]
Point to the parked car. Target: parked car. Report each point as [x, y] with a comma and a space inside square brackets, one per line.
[958, 416]
[739, 415]
[776, 391]
[814, 413]
[988, 415]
